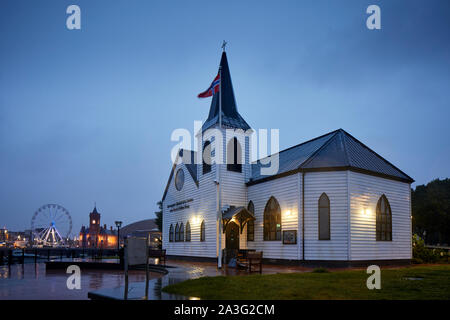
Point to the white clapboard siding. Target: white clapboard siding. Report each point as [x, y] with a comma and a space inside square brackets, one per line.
[234, 190]
[203, 208]
[286, 191]
[334, 184]
[365, 192]
[233, 187]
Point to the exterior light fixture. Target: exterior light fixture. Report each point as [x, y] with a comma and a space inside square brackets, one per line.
[118, 225]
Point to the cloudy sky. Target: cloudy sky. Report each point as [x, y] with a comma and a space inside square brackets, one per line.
[86, 115]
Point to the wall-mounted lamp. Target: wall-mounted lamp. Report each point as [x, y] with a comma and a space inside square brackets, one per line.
[195, 220]
[287, 213]
[367, 211]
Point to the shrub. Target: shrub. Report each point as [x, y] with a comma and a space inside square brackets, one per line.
[422, 254]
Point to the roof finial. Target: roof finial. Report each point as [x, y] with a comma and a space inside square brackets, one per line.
[224, 44]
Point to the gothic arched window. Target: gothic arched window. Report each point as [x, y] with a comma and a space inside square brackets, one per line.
[324, 217]
[177, 233]
[188, 231]
[234, 155]
[251, 223]
[272, 220]
[181, 229]
[202, 231]
[206, 157]
[384, 220]
[171, 233]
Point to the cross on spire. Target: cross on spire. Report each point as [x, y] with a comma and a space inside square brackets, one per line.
[224, 44]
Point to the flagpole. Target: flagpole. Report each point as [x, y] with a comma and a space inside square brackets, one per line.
[219, 202]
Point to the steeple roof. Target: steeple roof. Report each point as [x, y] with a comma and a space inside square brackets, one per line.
[230, 115]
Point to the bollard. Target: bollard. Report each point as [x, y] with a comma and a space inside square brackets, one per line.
[35, 255]
[1, 257]
[48, 255]
[10, 256]
[23, 255]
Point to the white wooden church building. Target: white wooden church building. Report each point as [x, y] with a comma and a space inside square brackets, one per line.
[333, 200]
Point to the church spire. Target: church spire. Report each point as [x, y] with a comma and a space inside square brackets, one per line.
[230, 115]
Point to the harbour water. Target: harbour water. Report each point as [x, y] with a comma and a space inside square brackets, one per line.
[31, 281]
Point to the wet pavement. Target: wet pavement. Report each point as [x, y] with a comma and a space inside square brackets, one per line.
[179, 270]
[32, 281]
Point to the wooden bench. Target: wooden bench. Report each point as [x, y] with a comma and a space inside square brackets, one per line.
[249, 258]
[158, 253]
[255, 259]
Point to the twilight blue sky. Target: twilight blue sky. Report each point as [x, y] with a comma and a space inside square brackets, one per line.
[86, 115]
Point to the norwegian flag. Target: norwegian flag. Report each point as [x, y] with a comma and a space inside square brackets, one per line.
[213, 88]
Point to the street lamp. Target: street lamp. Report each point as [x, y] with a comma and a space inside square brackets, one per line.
[118, 225]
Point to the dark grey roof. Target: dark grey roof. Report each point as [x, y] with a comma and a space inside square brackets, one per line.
[334, 150]
[230, 115]
[143, 226]
[231, 211]
[241, 214]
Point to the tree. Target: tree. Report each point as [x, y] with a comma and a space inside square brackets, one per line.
[431, 211]
[159, 218]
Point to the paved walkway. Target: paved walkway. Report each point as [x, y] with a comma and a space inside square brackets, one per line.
[209, 269]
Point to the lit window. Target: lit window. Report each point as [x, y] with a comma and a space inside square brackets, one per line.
[181, 230]
[202, 231]
[272, 220]
[188, 231]
[384, 220]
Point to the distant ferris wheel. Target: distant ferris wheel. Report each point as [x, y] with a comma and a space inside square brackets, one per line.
[51, 225]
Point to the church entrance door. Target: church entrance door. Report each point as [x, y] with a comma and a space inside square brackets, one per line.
[231, 241]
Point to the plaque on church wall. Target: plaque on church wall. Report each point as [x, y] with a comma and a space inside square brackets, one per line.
[290, 237]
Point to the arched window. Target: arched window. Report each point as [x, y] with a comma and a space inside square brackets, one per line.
[181, 232]
[171, 233]
[177, 233]
[251, 223]
[234, 155]
[384, 220]
[272, 220]
[324, 217]
[202, 231]
[188, 231]
[206, 158]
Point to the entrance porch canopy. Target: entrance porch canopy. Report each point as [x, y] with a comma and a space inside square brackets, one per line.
[240, 215]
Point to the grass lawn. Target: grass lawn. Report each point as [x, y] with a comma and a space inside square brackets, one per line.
[348, 284]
